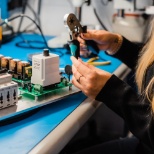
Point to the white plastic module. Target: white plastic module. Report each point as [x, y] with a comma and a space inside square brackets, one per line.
[5, 78]
[8, 94]
[8, 91]
[45, 69]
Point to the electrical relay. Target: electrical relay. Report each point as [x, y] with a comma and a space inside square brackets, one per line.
[45, 69]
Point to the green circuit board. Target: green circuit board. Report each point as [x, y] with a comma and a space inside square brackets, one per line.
[21, 72]
[36, 90]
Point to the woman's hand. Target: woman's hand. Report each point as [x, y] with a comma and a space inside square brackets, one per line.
[104, 39]
[88, 78]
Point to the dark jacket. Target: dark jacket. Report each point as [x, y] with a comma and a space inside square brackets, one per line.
[134, 108]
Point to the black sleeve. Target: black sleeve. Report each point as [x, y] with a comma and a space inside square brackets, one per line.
[133, 108]
[128, 53]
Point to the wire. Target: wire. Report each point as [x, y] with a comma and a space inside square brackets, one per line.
[23, 15]
[31, 42]
[24, 4]
[39, 11]
[35, 14]
[103, 26]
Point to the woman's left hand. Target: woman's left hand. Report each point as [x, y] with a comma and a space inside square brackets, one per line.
[88, 78]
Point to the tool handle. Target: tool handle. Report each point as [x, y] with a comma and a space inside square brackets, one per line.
[100, 63]
[74, 48]
[92, 46]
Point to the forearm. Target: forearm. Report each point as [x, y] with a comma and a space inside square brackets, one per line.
[133, 108]
[128, 53]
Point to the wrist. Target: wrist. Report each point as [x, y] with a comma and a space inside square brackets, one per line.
[116, 45]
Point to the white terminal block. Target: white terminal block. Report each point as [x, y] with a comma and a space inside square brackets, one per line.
[8, 94]
[5, 78]
[45, 69]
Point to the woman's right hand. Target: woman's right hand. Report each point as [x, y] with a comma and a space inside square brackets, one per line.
[104, 39]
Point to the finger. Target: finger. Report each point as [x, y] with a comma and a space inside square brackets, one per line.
[75, 83]
[75, 72]
[81, 40]
[79, 77]
[89, 35]
[81, 67]
[94, 69]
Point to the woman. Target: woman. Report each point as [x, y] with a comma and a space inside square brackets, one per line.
[136, 108]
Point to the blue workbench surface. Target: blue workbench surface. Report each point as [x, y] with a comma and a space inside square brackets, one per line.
[22, 136]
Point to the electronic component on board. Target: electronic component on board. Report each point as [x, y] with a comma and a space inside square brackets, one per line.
[5, 62]
[45, 69]
[28, 72]
[1, 56]
[0, 30]
[21, 65]
[13, 66]
[38, 88]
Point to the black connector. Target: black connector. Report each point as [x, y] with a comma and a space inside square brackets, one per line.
[14, 95]
[8, 96]
[1, 99]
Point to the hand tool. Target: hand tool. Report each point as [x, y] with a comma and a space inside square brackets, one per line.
[75, 28]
